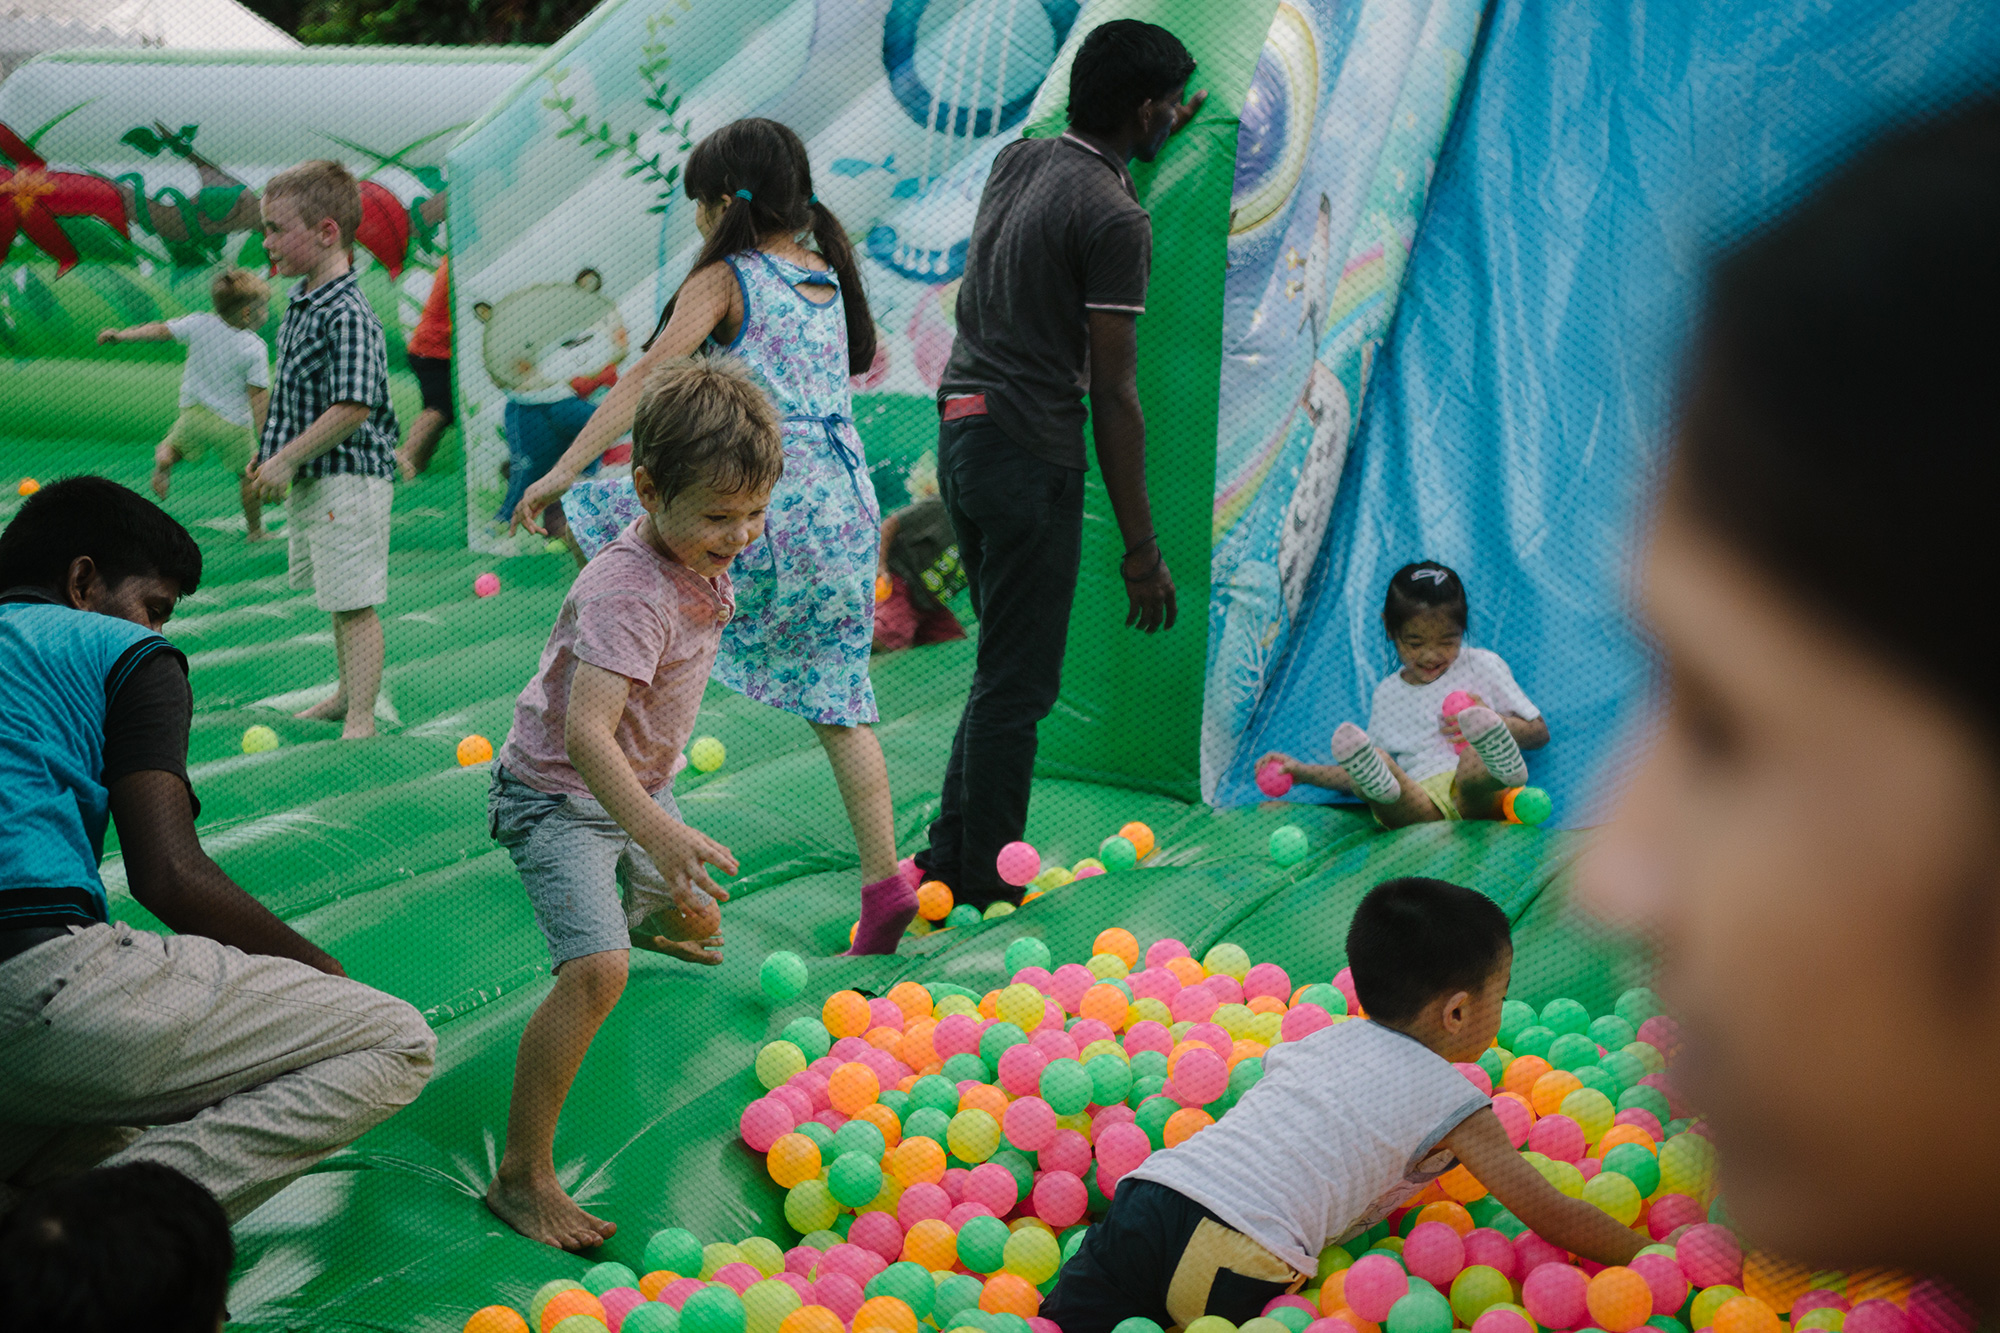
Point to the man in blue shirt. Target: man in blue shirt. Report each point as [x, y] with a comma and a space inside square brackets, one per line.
[233, 1050]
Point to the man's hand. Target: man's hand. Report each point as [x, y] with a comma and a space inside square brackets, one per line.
[1149, 590]
[273, 478]
[1187, 111]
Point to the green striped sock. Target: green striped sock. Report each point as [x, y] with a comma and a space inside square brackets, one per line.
[1353, 751]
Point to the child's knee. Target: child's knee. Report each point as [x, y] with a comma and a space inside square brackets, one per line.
[1471, 768]
[598, 979]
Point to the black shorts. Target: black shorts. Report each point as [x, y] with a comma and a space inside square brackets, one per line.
[1128, 1263]
[434, 378]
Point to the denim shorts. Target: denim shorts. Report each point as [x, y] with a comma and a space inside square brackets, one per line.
[591, 884]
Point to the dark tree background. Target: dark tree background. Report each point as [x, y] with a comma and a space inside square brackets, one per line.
[424, 22]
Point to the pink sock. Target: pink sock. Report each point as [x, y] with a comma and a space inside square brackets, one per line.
[887, 907]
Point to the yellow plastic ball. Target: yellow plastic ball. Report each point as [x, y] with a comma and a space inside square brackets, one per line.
[1648, 1055]
[1228, 959]
[1591, 1110]
[715, 1256]
[1021, 1005]
[809, 1206]
[1264, 1028]
[1615, 1194]
[1709, 1300]
[1566, 1178]
[972, 1136]
[1233, 1019]
[1687, 1166]
[954, 1004]
[259, 739]
[995, 911]
[1151, 1010]
[1107, 967]
[763, 1255]
[777, 1062]
[1032, 1253]
[474, 749]
[707, 754]
[766, 1303]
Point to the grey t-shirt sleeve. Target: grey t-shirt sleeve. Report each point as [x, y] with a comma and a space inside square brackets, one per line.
[1117, 258]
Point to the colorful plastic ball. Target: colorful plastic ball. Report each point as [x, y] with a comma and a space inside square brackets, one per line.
[1687, 1166]
[495, 1319]
[1031, 1254]
[1637, 1165]
[675, 1249]
[965, 914]
[1027, 951]
[982, 1244]
[472, 750]
[1374, 1284]
[1060, 1198]
[1476, 1289]
[1745, 1314]
[845, 1014]
[1029, 1123]
[782, 976]
[852, 1087]
[1664, 1278]
[1554, 1295]
[1228, 960]
[1533, 1252]
[1637, 1005]
[854, 1179]
[1005, 1293]
[1199, 1077]
[1591, 1110]
[1424, 1310]
[707, 754]
[713, 1309]
[994, 911]
[1020, 1004]
[1434, 1252]
[792, 1159]
[1557, 1137]
[1503, 1318]
[1526, 805]
[1289, 845]
[260, 739]
[766, 1303]
[576, 1323]
[1709, 1254]
[1273, 780]
[565, 1305]
[1571, 1051]
[777, 1062]
[1183, 1125]
[486, 585]
[932, 1243]
[1138, 1323]
[764, 1121]
[1118, 853]
[1210, 1323]
[1018, 863]
[1701, 1313]
[973, 1136]
[933, 900]
[546, 1294]
[27, 486]
[810, 1206]
[1619, 1299]
[1877, 1315]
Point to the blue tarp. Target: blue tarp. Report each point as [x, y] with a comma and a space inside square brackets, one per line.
[1602, 150]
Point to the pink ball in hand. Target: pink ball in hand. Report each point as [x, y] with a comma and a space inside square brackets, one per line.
[1273, 780]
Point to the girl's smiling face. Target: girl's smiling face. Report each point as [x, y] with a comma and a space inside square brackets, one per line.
[1428, 643]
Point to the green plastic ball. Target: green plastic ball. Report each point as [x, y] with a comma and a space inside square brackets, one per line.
[1144, 1088]
[717, 1309]
[934, 1092]
[1666, 1323]
[1066, 1086]
[928, 1123]
[1597, 1077]
[861, 1137]
[1626, 1070]
[675, 1249]
[1533, 1041]
[1637, 1005]
[1532, 806]
[1565, 1016]
[1289, 845]
[1611, 1032]
[809, 1206]
[1325, 996]
[1019, 1165]
[964, 1066]
[1152, 1118]
[652, 1316]
[1138, 1323]
[1419, 1312]
[965, 914]
[1244, 1077]
[821, 1136]
[1516, 1017]
[809, 1035]
[1291, 1317]
[896, 1100]
[600, 1278]
[1150, 1064]
[1262, 1324]
[982, 1244]
[1572, 1051]
[956, 1294]
[576, 1323]
[1026, 952]
[1110, 1079]
[999, 1038]
[1637, 1165]
[782, 976]
[1494, 1060]
[1118, 853]
[1643, 1098]
[1072, 1240]
[907, 1282]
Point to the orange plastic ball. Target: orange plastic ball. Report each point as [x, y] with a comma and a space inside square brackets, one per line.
[1243, 1050]
[845, 1014]
[984, 1097]
[885, 1314]
[1140, 837]
[852, 1087]
[1118, 941]
[1519, 1100]
[1354, 1321]
[657, 1281]
[1184, 1124]
[916, 1050]
[1618, 1134]
[1004, 1293]
[1332, 1292]
[912, 999]
[931, 1243]
[989, 1004]
[497, 1319]
[1461, 1186]
[1107, 1004]
[1444, 1210]
[933, 901]
[883, 1119]
[885, 1039]
[1744, 1314]
[1268, 1004]
[1550, 1089]
[1186, 970]
[474, 750]
[1520, 1078]
[1774, 1281]
[792, 1159]
[811, 1319]
[566, 1303]
[917, 1161]
[1619, 1300]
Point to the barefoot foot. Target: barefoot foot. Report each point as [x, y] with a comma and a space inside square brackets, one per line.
[358, 729]
[162, 477]
[326, 710]
[258, 535]
[539, 1210]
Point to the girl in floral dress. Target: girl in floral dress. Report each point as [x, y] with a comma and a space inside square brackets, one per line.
[805, 603]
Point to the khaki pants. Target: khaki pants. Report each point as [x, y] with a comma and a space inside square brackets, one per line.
[239, 1070]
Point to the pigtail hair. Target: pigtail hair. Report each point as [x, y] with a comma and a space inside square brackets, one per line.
[830, 239]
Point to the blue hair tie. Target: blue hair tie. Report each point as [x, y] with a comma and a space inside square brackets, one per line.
[811, 199]
[743, 195]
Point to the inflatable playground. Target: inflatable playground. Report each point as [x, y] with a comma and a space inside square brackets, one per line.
[1382, 327]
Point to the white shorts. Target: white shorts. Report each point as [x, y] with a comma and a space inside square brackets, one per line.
[340, 540]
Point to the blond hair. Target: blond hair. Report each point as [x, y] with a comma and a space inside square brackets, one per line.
[704, 419]
[320, 189]
[237, 290]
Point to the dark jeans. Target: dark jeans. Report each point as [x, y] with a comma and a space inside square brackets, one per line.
[1019, 523]
[1127, 1262]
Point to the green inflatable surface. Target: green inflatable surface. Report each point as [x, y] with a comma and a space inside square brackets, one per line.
[379, 852]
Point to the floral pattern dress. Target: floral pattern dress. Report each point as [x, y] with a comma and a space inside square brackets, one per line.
[805, 590]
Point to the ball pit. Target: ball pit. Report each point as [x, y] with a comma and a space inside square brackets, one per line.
[942, 1154]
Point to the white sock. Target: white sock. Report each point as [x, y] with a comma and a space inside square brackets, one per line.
[1494, 744]
[1353, 751]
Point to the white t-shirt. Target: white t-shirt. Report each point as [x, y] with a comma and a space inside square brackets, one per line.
[222, 364]
[1406, 717]
[1342, 1128]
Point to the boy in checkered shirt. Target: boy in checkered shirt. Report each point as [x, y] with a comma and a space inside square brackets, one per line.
[331, 435]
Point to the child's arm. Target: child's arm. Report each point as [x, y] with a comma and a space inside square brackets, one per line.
[260, 408]
[1330, 776]
[335, 424]
[1480, 1143]
[889, 526]
[702, 303]
[596, 703]
[156, 332]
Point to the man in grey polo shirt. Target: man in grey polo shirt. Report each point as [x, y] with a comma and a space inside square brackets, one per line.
[1055, 279]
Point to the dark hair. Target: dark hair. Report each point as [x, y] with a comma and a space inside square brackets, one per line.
[1413, 940]
[703, 418]
[123, 533]
[1121, 64]
[1424, 586]
[118, 1248]
[767, 162]
[1842, 430]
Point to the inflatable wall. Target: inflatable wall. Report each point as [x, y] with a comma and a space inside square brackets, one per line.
[133, 178]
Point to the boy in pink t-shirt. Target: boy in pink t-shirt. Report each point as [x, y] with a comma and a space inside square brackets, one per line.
[582, 790]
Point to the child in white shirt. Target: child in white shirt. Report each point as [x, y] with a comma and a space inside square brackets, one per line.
[1414, 765]
[225, 386]
[1344, 1127]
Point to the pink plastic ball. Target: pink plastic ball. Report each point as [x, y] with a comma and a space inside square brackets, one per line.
[1120, 1148]
[1374, 1284]
[1292, 1302]
[992, 1185]
[1343, 981]
[802, 1260]
[1644, 1119]
[1676, 1107]
[1671, 1212]
[737, 1277]
[831, 1118]
[797, 1282]
[1589, 1167]
[1557, 1136]
[1060, 1199]
[962, 1213]
[1435, 1253]
[1501, 1321]
[1037, 1324]
[1196, 1004]
[1085, 873]
[1154, 983]
[619, 1302]
[813, 1084]
[1021, 1068]
[953, 1183]
[1088, 1030]
[675, 1293]
[1067, 1151]
[922, 1202]
[764, 1122]
[1052, 1015]
[1266, 980]
[1877, 1316]
[1664, 1276]
[884, 1013]
[1018, 863]
[1554, 1296]
[1161, 952]
[955, 1034]
[1937, 1307]
[849, 1260]
[1710, 1255]
[1663, 1034]
[1199, 1078]
[1030, 1123]
[486, 585]
[1485, 1246]
[1055, 1043]
[1478, 1077]
[1302, 1020]
[1273, 780]
[1515, 1118]
[849, 1049]
[1534, 1252]
[1329, 1324]
[1819, 1298]
[1068, 983]
[838, 1293]
[1455, 703]
[1038, 977]
[879, 1233]
[1146, 1035]
[1227, 989]
[794, 1097]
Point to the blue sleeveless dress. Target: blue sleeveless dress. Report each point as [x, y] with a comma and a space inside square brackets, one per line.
[805, 590]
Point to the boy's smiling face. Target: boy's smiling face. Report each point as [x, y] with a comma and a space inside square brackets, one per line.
[293, 245]
[702, 528]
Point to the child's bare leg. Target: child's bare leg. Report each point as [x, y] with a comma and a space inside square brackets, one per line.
[1495, 763]
[525, 1193]
[164, 459]
[1476, 790]
[253, 507]
[357, 640]
[415, 455]
[1413, 805]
